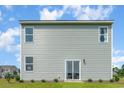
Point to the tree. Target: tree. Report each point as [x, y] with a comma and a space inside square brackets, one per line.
[15, 73]
[122, 67]
[115, 70]
[8, 76]
[119, 71]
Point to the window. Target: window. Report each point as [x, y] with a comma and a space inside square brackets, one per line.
[29, 63]
[103, 34]
[28, 34]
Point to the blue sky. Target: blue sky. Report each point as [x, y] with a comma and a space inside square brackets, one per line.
[9, 26]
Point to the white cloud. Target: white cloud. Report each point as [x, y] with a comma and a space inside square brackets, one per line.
[17, 55]
[7, 42]
[117, 52]
[118, 59]
[95, 14]
[78, 12]
[8, 7]
[11, 19]
[7, 39]
[74, 9]
[45, 14]
[90, 13]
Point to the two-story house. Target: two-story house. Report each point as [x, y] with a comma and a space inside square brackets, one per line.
[66, 50]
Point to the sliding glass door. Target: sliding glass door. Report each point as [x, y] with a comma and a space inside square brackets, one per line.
[72, 69]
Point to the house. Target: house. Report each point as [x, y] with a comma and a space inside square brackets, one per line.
[7, 68]
[66, 50]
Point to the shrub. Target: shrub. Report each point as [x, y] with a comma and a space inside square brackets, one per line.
[21, 81]
[43, 80]
[116, 78]
[15, 73]
[111, 80]
[56, 80]
[100, 80]
[32, 81]
[90, 80]
[17, 77]
[8, 76]
[12, 76]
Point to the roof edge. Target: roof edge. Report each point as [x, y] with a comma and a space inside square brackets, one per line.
[51, 22]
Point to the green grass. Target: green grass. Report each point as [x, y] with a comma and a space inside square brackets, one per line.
[27, 84]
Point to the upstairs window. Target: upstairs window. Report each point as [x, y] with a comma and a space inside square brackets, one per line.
[28, 34]
[29, 63]
[103, 34]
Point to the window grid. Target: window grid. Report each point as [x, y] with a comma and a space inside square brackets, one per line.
[29, 65]
[28, 34]
[103, 34]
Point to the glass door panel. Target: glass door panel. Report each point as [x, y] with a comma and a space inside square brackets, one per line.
[76, 70]
[69, 69]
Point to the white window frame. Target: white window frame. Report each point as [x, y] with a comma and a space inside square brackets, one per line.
[79, 68]
[100, 34]
[28, 63]
[25, 33]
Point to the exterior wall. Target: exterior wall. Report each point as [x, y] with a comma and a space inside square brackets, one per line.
[52, 45]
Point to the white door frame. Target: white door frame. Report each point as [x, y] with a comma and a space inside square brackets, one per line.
[79, 67]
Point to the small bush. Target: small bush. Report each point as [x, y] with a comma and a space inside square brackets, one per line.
[8, 76]
[32, 81]
[116, 78]
[56, 80]
[15, 73]
[43, 80]
[100, 80]
[12, 76]
[111, 80]
[90, 80]
[21, 81]
[17, 77]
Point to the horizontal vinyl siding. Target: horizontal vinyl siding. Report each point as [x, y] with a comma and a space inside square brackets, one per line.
[53, 44]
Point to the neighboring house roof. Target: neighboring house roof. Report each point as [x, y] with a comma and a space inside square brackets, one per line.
[66, 22]
[8, 68]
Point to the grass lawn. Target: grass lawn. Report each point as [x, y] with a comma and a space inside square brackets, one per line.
[14, 84]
